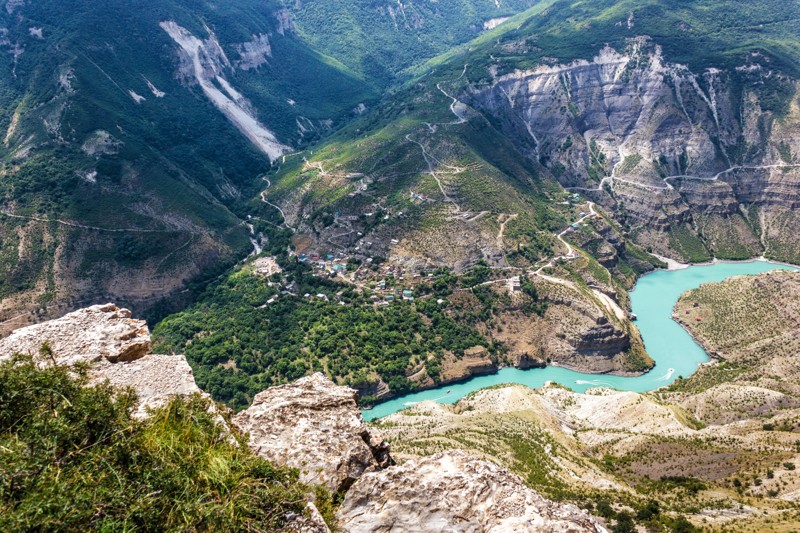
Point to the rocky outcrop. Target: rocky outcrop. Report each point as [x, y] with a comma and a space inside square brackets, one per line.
[661, 144]
[155, 378]
[91, 335]
[285, 23]
[376, 388]
[309, 522]
[525, 361]
[620, 104]
[315, 426]
[453, 491]
[204, 62]
[602, 340]
[474, 362]
[255, 53]
[115, 346]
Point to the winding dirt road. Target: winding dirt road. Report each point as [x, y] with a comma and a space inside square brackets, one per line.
[264, 199]
[667, 186]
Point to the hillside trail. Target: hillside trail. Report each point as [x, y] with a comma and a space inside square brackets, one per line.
[606, 301]
[72, 224]
[428, 161]
[667, 186]
[609, 303]
[503, 219]
[456, 107]
[264, 199]
[570, 250]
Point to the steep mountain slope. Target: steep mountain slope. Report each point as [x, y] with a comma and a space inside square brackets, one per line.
[680, 121]
[679, 117]
[678, 125]
[133, 130]
[686, 167]
[381, 39]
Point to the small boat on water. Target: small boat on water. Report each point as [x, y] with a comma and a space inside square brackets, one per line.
[449, 391]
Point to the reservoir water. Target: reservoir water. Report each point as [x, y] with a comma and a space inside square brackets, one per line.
[652, 300]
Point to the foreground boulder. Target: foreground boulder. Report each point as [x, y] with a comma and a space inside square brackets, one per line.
[315, 426]
[94, 334]
[116, 347]
[455, 492]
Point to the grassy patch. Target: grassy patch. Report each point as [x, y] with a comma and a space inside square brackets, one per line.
[72, 458]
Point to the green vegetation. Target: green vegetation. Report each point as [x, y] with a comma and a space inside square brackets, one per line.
[239, 344]
[742, 318]
[73, 458]
[705, 378]
[380, 40]
[689, 245]
[536, 305]
[698, 34]
[173, 165]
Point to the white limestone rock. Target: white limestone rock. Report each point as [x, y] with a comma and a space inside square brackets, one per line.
[155, 378]
[314, 425]
[117, 348]
[90, 335]
[455, 492]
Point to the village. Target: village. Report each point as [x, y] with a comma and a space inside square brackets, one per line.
[387, 282]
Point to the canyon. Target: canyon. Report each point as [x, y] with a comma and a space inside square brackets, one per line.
[312, 425]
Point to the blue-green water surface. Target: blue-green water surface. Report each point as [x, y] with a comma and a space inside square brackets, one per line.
[652, 300]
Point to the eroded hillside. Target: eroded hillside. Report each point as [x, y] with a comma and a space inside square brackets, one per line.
[749, 325]
[126, 158]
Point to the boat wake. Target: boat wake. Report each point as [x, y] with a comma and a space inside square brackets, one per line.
[594, 382]
[666, 376]
[409, 404]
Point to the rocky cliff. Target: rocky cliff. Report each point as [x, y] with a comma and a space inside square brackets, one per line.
[438, 493]
[711, 151]
[315, 426]
[115, 346]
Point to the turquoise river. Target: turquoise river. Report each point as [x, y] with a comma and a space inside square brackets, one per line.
[652, 300]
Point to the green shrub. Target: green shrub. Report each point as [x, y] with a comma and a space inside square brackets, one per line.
[73, 458]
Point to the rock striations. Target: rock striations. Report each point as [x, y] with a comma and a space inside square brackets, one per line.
[454, 491]
[658, 143]
[315, 426]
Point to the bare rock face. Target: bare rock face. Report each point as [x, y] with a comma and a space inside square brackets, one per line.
[474, 362]
[310, 522]
[657, 124]
[315, 426]
[602, 340]
[255, 53]
[155, 378]
[455, 492]
[115, 345]
[97, 333]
